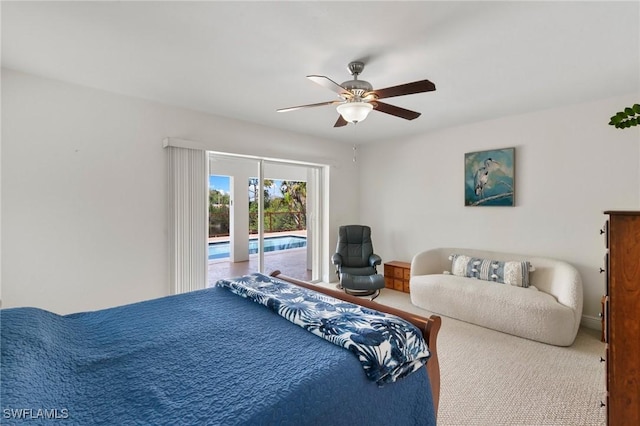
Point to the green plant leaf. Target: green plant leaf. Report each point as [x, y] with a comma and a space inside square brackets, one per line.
[629, 117]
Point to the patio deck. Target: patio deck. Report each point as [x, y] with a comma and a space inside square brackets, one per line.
[292, 262]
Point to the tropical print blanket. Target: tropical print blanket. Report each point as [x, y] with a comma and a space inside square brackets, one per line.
[387, 346]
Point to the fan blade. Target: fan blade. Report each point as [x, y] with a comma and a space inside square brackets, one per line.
[405, 89]
[397, 111]
[341, 122]
[329, 84]
[308, 106]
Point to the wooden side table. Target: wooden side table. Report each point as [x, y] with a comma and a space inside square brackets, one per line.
[397, 275]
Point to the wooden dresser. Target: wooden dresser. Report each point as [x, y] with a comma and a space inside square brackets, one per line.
[622, 317]
[397, 275]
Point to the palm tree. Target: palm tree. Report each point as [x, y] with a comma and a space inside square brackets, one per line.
[218, 213]
[254, 184]
[295, 197]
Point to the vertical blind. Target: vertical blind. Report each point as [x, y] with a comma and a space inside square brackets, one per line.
[188, 188]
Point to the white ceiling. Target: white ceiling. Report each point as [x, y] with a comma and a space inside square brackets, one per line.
[246, 59]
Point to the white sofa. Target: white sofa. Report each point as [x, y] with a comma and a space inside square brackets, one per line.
[548, 311]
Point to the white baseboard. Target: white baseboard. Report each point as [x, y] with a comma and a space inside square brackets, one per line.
[593, 323]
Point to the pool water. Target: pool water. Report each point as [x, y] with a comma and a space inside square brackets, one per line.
[221, 250]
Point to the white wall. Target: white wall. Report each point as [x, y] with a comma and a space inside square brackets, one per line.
[84, 189]
[570, 167]
[84, 192]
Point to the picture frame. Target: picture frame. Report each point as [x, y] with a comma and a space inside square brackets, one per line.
[489, 178]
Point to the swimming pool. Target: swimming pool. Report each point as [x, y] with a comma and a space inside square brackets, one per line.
[220, 250]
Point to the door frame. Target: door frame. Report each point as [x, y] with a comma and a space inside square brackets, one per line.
[316, 204]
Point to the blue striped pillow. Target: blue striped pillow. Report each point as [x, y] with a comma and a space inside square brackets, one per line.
[510, 272]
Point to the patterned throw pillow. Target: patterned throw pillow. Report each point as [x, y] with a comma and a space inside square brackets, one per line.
[511, 272]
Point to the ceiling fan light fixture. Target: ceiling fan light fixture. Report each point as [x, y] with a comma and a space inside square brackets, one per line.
[354, 112]
[357, 97]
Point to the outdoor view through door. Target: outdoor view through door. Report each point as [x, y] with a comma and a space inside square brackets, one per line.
[234, 215]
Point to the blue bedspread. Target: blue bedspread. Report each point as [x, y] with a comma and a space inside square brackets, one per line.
[206, 357]
[389, 348]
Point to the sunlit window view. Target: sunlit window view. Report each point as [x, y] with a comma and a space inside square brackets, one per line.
[284, 205]
[284, 226]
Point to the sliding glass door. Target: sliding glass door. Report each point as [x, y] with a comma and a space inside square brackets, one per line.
[229, 224]
[273, 219]
[288, 215]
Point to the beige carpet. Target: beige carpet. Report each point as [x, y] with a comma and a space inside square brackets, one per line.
[492, 378]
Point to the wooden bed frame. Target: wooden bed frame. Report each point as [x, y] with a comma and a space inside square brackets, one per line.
[429, 327]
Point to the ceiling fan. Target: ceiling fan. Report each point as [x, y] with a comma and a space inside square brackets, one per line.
[358, 98]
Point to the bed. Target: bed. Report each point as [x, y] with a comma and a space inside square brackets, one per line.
[204, 357]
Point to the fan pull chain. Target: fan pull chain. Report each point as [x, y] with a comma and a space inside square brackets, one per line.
[354, 154]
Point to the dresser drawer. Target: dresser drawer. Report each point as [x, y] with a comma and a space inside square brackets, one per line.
[398, 285]
[397, 275]
[388, 282]
[622, 317]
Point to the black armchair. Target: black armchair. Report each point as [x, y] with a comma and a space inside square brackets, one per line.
[356, 262]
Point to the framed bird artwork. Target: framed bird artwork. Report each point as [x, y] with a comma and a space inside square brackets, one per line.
[489, 178]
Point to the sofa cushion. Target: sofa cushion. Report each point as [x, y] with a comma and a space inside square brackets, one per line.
[506, 272]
